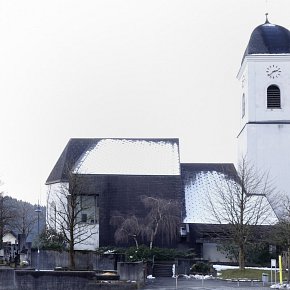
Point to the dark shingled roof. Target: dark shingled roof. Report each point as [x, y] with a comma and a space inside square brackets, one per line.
[71, 153]
[191, 169]
[268, 39]
[198, 180]
[74, 150]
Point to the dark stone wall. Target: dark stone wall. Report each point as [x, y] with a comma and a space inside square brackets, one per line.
[48, 280]
[85, 260]
[7, 279]
[133, 271]
[110, 286]
[122, 193]
[11, 279]
[184, 265]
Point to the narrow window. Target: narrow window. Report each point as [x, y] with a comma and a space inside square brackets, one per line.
[84, 218]
[53, 213]
[243, 106]
[273, 97]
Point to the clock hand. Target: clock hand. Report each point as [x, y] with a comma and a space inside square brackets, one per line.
[276, 70]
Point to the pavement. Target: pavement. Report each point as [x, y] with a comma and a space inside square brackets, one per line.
[194, 284]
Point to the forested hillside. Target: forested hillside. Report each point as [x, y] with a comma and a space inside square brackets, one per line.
[21, 217]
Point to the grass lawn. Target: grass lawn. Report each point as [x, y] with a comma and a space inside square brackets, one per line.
[254, 274]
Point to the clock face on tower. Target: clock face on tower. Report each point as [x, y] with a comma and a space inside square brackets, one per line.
[273, 71]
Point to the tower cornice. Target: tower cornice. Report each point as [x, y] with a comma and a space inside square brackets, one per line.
[282, 122]
[262, 58]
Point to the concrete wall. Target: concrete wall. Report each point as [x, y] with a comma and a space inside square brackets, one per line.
[184, 265]
[133, 271]
[211, 253]
[7, 279]
[84, 260]
[110, 286]
[48, 280]
[91, 234]
[11, 279]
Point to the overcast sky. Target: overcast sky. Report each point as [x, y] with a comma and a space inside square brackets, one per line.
[120, 68]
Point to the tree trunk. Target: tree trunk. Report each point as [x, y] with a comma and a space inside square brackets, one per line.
[242, 257]
[1, 235]
[136, 243]
[1, 221]
[153, 234]
[288, 262]
[151, 242]
[71, 256]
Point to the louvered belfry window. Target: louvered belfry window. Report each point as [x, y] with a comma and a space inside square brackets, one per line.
[273, 97]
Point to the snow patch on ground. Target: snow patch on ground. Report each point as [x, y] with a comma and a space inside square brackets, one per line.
[197, 277]
[225, 267]
[279, 286]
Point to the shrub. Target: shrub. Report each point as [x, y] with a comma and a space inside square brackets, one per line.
[201, 268]
[162, 254]
[50, 239]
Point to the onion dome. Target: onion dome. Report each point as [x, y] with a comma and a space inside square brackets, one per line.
[269, 38]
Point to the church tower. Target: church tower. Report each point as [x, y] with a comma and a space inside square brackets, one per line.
[264, 136]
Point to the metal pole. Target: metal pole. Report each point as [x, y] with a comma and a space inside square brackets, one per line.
[280, 270]
[38, 210]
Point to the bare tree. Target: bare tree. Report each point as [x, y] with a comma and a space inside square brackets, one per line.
[163, 218]
[73, 213]
[128, 227]
[7, 214]
[241, 201]
[24, 219]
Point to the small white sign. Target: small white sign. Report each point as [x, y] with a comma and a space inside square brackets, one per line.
[273, 263]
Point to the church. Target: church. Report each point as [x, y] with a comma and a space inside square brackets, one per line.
[117, 171]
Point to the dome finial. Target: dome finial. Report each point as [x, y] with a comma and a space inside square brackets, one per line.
[267, 21]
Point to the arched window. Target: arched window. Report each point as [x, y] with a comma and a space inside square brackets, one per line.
[243, 105]
[273, 97]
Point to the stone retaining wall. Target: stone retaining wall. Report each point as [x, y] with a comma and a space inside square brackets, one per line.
[52, 280]
[48, 260]
[133, 271]
[7, 279]
[16, 279]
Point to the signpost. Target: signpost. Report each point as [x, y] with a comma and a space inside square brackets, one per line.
[38, 211]
[273, 265]
[280, 270]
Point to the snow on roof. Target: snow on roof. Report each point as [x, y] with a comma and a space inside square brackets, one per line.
[201, 187]
[196, 190]
[131, 157]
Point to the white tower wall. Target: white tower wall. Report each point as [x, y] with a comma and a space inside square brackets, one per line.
[56, 201]
[256, 81]
[264, 137]
[268, 147]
